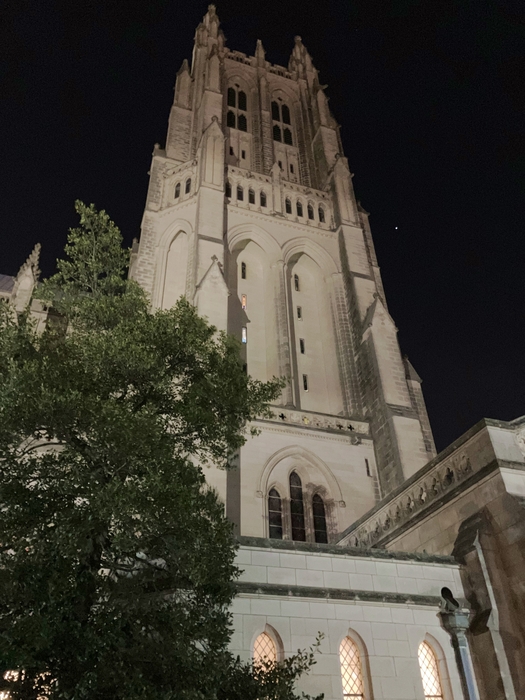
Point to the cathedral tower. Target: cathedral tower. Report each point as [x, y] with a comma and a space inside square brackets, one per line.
[251, 214]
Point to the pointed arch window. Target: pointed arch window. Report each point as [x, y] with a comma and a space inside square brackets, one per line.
[299, 208]
[187, 187]
[242, 123]
[275, 515]
[351, 670]
[297, 508]
[428, 665]
[237, 101]
[177, 190]
[264, 650]
[310, 212]
[240, 193]
[281, 117]
[319, 513]
[251, 196]
[321, 215]
[288, 206]
[263, 199]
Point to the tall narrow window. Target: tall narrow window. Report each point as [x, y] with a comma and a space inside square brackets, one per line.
[305, 382]
[244, 334]
[263, 199]
[299, 208]
[275, 112]
[291, 168]
[243, 270]
[310, 212]
[280, 118]
[297, 508]
[300, 313]
[428, 665]
[243, 301]
[367, 467]
[187, 188]
[321, 215]
[287, 137]
[319, 513]
[286, 114]
[275, 515]
[236, 116]
[242, 100]
[264, 650]
[251, 196]
[288, 206]
[243, 155]
[232, 153]
[351, 670]
[276, 133]
[177, 190]
[242, 123]
[296, 283]
[240, 193]
[228, 189]
[302, 346]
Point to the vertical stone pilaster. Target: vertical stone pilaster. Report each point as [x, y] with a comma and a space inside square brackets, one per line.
[283, 334]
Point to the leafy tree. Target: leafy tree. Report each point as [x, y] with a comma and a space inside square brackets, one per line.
[116, 561]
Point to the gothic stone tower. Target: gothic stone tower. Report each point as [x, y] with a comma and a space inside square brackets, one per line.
[251, 214]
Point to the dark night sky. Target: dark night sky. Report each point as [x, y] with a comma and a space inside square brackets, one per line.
[431, 100]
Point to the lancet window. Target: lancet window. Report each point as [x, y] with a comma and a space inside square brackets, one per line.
[321, 215]
[319, 513]
[351, 670]
[264, 650]
[281, 122]
[297, 508]
[263, 199]
[187, 187]
[237, 107]
[275, 515]
[177, 190]
[428, 665]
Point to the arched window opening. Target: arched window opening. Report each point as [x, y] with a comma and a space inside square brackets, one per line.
[288, 137]
[264, 650]
[231, 97]
[296, 283]
[240, 193]
[263, 199]
[242, 123]
[187, 188]
[310, 212]
[230, 119]
[242, 101]
[351, 670]
[177, 190]
[319, 513]
[299, 208]
[276, 133]
[275, 112]
[228, 188]
[243, 270]
[286, 114]
[297, 508]
[288, 206]
[321, 215]
[428, 665]
[251, 196]
[275, 515]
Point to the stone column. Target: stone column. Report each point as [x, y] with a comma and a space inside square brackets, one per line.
[456, 623]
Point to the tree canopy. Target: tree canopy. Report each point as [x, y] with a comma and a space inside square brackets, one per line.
[116, 560]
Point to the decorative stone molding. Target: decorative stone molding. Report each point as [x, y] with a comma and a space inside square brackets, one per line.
[321, 421]
[430, 488]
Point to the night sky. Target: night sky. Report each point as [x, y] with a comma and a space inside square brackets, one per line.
[430, 96]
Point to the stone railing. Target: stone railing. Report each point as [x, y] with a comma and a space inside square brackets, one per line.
[418, 495]
[321, 421]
